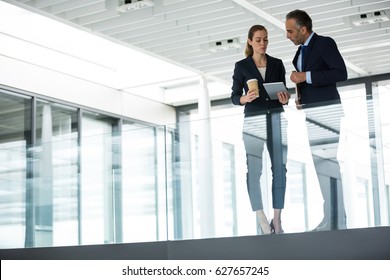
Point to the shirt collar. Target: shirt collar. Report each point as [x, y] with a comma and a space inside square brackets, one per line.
[308, 39]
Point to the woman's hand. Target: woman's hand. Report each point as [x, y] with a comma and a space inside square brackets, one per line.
[283, 97]
[249, 97]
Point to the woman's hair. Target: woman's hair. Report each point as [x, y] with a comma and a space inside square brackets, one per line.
[251, 32]
[301, 18]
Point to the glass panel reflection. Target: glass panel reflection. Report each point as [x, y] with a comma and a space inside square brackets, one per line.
[143, 180]
[15, 137]
[87, 178]
[55, 171]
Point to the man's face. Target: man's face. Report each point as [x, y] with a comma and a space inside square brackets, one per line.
[295, 32]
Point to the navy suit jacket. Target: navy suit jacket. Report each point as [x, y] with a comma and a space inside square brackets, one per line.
[327, 67]
[245, 70]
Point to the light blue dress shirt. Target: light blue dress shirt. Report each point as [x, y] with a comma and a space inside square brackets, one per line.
[299, 62]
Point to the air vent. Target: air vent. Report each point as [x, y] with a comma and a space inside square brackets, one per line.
[224, 45]
[131, 5]
[370, 18]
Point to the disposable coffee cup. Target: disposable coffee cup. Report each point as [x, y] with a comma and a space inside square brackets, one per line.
[252, 84]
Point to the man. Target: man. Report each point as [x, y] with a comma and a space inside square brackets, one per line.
[319, 67]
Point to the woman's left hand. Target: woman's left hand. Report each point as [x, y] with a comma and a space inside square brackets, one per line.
[283, 97]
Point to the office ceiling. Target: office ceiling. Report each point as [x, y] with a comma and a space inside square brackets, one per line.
[186, 32]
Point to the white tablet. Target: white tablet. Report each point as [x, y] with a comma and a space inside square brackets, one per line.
[273, 88]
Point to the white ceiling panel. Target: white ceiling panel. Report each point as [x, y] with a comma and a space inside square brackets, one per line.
[182, 30]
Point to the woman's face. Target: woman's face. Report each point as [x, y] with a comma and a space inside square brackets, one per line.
[259, 42]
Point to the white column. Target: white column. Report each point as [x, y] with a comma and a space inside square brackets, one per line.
[205, 163]
[44, 193]
[379, 186]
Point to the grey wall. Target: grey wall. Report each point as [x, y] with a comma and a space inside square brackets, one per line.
[353, 244]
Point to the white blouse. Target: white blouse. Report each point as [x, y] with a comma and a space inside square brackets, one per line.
[262, 71]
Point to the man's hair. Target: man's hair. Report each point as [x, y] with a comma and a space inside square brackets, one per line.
[301, 18]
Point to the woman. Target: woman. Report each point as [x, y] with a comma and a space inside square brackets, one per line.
[259, 65]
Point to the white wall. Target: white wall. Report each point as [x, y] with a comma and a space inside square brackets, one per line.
[50, 58]
[64, 87]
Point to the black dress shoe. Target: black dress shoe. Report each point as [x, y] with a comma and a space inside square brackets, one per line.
[324, 225]
[327, 225]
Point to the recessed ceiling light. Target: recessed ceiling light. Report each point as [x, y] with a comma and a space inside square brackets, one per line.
[370, 18]
[131, 5]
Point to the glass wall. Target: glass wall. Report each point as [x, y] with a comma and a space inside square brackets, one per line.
[55, 177]
[144, 175]
[381, 98]
[72, 176]
[97, 184]
[336, 165]
[15, 178]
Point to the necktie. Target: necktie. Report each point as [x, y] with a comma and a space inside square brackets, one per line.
[303, 51]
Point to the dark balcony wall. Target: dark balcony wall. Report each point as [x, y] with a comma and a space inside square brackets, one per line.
[353, 244]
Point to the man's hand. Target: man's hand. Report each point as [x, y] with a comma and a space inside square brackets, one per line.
[298, 77]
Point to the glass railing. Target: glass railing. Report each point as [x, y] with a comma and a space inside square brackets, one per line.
[189, 180]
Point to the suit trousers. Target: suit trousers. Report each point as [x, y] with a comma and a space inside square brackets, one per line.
[328, 169]
[254, 141]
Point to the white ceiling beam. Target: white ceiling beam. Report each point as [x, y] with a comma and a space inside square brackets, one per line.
[99, 7]
[136, 25]
[273, 20]
[355, 40]
[355, 68]
[204, 11]
[190, 38]
[373, 7]
[215, 24]
[185, 5]
[378, 62]
[40, 4]
[286, 4]
[129, 18]
[229, 56]
[311, 7]
[321, 13]
[187, 51]
[381, 53]
[168, 26]
[363, 47]
[109, 13]
[365, 2]
[133, 32]
[71, 5]
[196, 36]
[213, 67]
[261, 13]
[185, 17]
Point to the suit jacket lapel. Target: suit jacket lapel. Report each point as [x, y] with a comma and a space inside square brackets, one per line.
[270, 68]
[295, 60]
[253, 69]
[308, 51]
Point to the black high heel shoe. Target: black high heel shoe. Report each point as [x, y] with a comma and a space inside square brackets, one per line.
[271, 224]
[265, 228]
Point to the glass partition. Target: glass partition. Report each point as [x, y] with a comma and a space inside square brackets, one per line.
[54, 163]
[143, 182]
[381, 99]
[15, 182]
[336, 168]
[92, 179]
